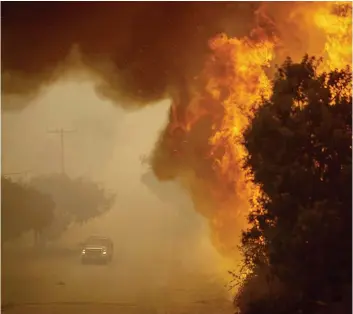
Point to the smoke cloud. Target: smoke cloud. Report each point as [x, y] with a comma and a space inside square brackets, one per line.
[143, 52]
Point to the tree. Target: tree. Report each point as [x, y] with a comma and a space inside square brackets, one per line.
[76, 201]
[300, 153]
[23, 209]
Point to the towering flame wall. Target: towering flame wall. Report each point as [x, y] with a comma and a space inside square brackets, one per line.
[202, 143]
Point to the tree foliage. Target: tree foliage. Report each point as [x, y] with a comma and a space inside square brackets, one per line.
[23, 209]
[76, 200]
[300, 153]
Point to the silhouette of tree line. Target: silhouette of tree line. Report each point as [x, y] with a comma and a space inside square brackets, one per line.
[48, 205]
[299, 245]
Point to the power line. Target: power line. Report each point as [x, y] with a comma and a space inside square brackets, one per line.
[62, 133]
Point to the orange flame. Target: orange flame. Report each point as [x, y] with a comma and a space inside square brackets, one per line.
[335, 19]
[234, 80]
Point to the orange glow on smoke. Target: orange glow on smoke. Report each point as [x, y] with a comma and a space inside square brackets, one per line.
[234, 80]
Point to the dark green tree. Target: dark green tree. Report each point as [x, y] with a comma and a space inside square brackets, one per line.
[23, 209]
[300, 153]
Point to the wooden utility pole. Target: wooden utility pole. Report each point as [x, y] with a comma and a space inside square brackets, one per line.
[62, 133]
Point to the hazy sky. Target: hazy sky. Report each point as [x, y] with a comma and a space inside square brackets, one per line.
[106, 136]
[107, 147]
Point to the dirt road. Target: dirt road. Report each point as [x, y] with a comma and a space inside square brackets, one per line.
[61, 285]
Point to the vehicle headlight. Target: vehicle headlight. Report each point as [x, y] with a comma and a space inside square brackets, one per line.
[83, 251]
[104, 252]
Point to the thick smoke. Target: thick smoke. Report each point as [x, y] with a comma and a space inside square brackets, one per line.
[143, 52]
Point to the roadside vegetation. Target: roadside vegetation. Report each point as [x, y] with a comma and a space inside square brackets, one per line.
[299, 245]
[49, 205]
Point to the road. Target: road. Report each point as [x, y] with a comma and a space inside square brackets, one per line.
[52, 284]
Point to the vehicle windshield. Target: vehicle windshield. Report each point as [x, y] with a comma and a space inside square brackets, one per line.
[98, 242]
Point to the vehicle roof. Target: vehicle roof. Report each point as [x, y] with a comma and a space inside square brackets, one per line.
[98, 238]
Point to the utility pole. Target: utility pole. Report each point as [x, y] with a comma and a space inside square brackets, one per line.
[62, 133]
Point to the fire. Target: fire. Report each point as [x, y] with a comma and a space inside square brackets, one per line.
[335, 19]
[230, 87]
[243, 83]
[204, 136]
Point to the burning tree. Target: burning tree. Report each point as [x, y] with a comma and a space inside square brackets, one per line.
[300, 153]
[202, 144]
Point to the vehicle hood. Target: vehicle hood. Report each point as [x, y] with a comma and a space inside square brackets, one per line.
[95, 247]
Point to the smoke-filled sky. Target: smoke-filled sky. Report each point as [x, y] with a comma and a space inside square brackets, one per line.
[140, 49]
[144, 50]
[155, 240]
[148, 53]
[147, 47]
[149, 218]
[102, 132]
